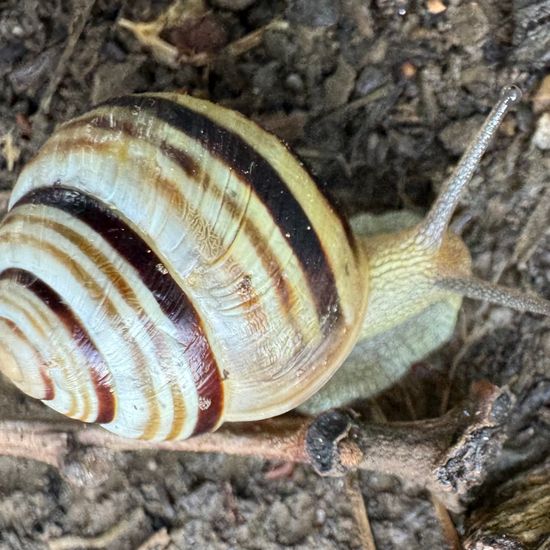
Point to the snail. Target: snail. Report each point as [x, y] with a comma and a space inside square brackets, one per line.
[166, 265]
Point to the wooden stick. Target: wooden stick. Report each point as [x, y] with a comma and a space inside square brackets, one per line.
[447, 455]
[82, 10]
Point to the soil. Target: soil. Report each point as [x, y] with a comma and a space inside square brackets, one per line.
[378, 98]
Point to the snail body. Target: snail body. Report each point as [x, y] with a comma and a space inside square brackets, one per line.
[167, 265]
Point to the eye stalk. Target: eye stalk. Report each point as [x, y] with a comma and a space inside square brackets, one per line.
[431, 231]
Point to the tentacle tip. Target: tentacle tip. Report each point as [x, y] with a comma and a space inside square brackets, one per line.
[511, 94]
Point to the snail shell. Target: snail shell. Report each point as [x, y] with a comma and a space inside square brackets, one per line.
[167, 265]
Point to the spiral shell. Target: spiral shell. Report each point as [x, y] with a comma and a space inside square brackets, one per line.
[167, 265]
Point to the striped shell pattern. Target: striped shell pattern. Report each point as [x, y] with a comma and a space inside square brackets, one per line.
[167, 265]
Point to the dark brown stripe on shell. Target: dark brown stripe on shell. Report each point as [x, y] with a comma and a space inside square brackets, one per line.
[88, 249]
[270, 262]
[170, 297]
[60, 255]
[99, 372]
[256, 171]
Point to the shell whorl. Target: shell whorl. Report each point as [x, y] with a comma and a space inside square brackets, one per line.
[166, 265]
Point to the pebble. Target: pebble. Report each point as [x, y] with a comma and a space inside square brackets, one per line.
[435, 7]
[370, 79]
[468, 26]
[314, 13]
[408, 70]
[294, 82]
[291, 520]
[339, 85]
[541, 137]
[35, 71]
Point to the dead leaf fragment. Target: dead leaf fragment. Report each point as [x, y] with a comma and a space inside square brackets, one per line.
[156, 35]
[204, 34]
[188, 33]
[9, 151]
[541, 99]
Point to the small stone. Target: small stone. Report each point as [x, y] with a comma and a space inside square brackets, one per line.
[205, 34]
[292, 519]
[105, 86]
[468, 26]
[33, 73]
[320, 516]
[266, 78]
[541, 137]
[435, 7]
[339, 85]
[370, 79]
[408, 70]
[294, 83]
[114, 52]
[501, 316]
[314, 13]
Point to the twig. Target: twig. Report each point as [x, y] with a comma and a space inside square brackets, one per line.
[446, 523]
[157, 541]
[82, 10]
[185, 16]
[448, 455]
[9, 151]
[355, 496]
[51, 442]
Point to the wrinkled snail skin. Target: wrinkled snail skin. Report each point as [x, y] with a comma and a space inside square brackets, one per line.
[167, 265]
[407, 315]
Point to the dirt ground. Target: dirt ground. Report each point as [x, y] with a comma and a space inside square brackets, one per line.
[379, 98]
